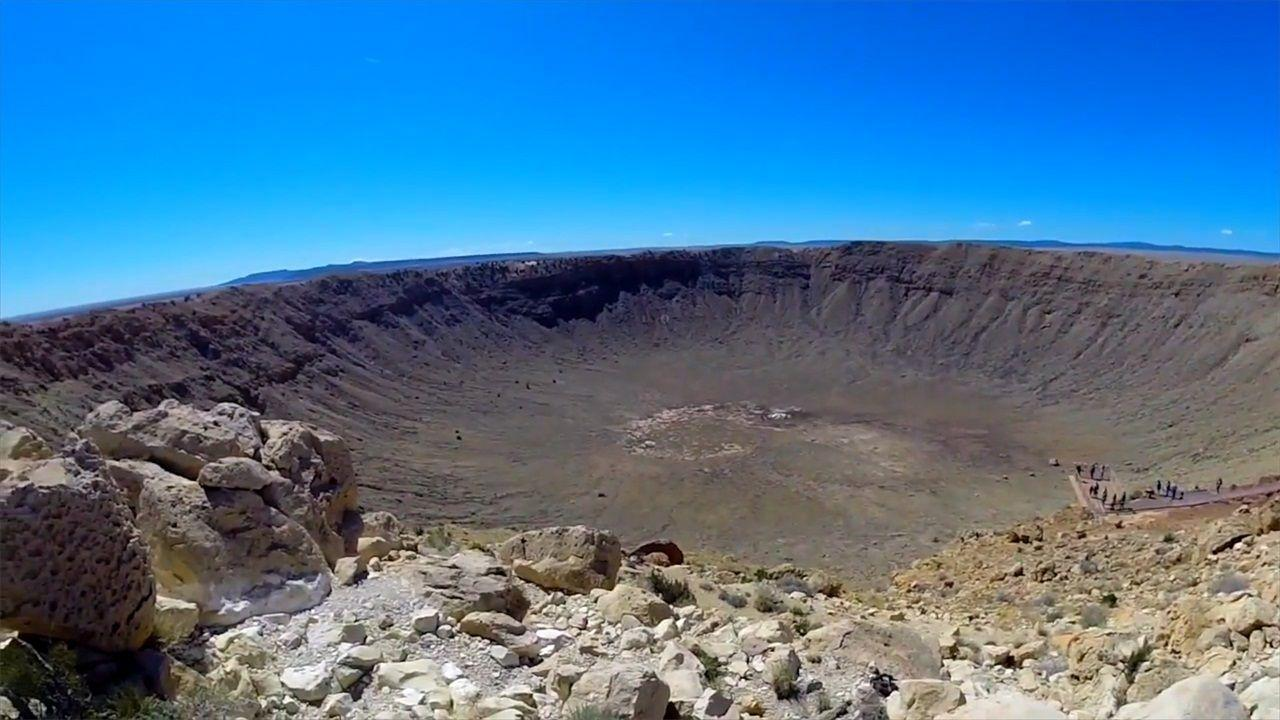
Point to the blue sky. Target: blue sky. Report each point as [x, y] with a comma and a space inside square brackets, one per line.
[153, 146]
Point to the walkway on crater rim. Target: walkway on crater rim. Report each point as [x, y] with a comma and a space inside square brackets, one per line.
[1193, 498]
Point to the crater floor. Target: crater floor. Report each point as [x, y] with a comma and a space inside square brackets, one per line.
[847, 407]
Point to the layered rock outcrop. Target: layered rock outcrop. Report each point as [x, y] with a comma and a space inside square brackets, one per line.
[237, 516]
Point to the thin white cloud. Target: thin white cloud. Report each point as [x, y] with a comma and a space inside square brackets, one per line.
[984, 225]
[1227, 231]
[667, 234]
[1024, 223]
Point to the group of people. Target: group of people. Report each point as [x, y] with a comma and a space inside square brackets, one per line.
[1116, 502]
[1096, 471]
[1173, 492]
[1100, 473]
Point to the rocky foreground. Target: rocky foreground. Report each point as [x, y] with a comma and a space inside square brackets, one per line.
[178, 562]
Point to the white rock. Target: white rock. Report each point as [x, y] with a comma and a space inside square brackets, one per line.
[308, 683]
[666, 630]
[523, 693]
[1006, 705]
[1262, 699]
[328, 634]
[424, 675]
[503, 656]
[465, 692]
[636, 639]
[426, 621]
[757, 637]
[551, 637]
[681, 671]
[923, 699]
[1197, 697]
[363, 657]
[410, 697]
[337, 705]
[347, 676]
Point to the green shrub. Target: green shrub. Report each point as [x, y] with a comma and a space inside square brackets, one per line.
[790, 582]
[804, 625]
[673, 591]
[733, 599]
[1093, 615]
[783, 683]
[1134, 662]
[766, 599]
[712, 666]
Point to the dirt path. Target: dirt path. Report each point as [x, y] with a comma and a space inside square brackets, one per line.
[1194, 498]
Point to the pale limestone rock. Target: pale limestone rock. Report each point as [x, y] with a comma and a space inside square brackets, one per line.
[757, 637]
[422, 675]
[893, 647]
[628, 691]
[629, 600]
[228, 552]
[573, 559]
[1246, 614]
[175, 619]
[681, 670]
[308, 683]
[1006, 705]
[1195, 698]
[338, 705]
[235, 473]
[1262, 699]
[923, 699]
[179, 438]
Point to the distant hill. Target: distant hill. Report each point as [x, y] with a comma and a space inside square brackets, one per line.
[286, 276]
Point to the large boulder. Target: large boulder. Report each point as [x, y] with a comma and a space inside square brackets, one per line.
[19, 443]
[296, 502]
[228, 551]
[179, 438]
[380, 524]
[1005, 705]
[175, 619]
[575, 559]
[620, 690]
[1155, 675]
[1196, 698]
[421, 675]
[235, 473]
[503, 630]
[681, 670]
[315, 460]
[1262, 699]
[890, 646]
[923, 699]
[72, 564]
[637, 602]
[132, 475]
[471, 581]
[1246, 614]
[1091, 650]
[1223, 534]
